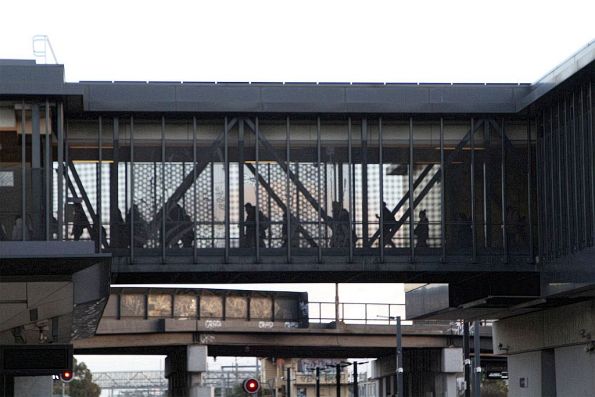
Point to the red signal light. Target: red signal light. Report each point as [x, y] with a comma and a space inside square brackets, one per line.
[66, 376]
[251, 385]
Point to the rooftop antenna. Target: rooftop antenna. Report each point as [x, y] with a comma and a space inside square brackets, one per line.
[41, 43]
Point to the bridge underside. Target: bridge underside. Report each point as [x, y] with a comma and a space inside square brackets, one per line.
[329, 271]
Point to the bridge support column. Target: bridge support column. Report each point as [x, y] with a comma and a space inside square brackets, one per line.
[550, 352]
[426, 372]
[184, 368]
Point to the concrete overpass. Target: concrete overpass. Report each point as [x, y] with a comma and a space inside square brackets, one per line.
[256, 323]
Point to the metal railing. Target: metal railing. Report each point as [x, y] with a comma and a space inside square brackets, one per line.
[355, 313]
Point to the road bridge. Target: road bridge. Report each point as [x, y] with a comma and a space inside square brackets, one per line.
[257, 323]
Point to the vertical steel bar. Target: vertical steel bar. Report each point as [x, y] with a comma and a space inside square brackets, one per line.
[24, 222]
[544, 192]
[529, 190]
[194, 189]
[583, 146]
[288, 379]
[575, 176]
[563, 207]
[60, 122]
[399, 357]
[226, 176]
[487, 234]
[98, 183]
[338, 379]
[270, 238]
[318, 189]
[472, 183]
[165, 212]
[503, 191]
[317, 381]
[476, 360]
[569, 223]
[212, 201]
[241, 180]
[538, 198]
[411, 193]
[592, 165]
[257, 167]
[355, 380]
[380, 191]
[289, 235]
[442, 198]
[351, 192]
[554, 230]
[132, 190]
[467, 358]
[35, 173]
[48, 174]
[364, 179]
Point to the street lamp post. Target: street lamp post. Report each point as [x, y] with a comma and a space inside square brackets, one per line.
[399, 360]
[338, 377]
[399, 385]
[317, 381]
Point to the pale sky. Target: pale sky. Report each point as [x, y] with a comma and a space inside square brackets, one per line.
[306, 40]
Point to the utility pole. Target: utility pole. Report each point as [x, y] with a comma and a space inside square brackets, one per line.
[338, 377]
[476, 360]
[399, 362]
[288, 393]
[355, 387]
[317, 381]
[466, 359]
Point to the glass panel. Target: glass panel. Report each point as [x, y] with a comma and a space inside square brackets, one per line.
[395, 230]
[179, 176]
[236, 307]
[132, 305]
[285, 309]
[11, 224]
[427, 213]
[517, 212]
[148, 200]
[159, 305]
[261, 308]
[272, 186]
[184, 306]
[211, 306]
[457, 187]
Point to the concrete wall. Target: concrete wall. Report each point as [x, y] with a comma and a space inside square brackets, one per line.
[560, 326]
[525, 366]
[32, 386]
[575, 371]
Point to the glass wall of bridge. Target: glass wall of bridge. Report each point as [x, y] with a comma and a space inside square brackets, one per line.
[184, 188]
[28, 133]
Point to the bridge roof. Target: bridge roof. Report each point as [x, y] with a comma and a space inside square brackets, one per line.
[18, 78]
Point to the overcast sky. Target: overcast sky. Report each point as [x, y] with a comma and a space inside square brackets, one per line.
[306, 40]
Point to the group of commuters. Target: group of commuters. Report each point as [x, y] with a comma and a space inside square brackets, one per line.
[342, 228]
[180, 228]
